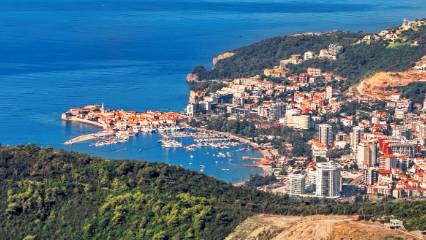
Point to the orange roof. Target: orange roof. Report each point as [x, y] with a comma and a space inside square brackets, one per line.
[384, 171]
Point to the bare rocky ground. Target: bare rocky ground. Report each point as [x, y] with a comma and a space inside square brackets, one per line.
[377, 86]
[272, 227]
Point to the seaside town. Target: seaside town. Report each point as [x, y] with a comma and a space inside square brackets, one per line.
[374, 151]
[213, 120]
[119, 125]
[316, 140]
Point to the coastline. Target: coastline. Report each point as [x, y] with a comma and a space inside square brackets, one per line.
[260, 163]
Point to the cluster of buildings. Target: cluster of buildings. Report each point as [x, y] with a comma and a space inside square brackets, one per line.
[331, 53]
[385, 152]
[326, 179]
[241, 98]
[121, 120]
[394, 35]
[259, 98]
[376, 151]
[381, 152]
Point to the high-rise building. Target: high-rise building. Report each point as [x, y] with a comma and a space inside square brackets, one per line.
[277, 111]
[356, 137]
[325, 134]
[295, 184]
[374, 148]
[367, 154]
[370, 176]
[328, 180]
[363, 155]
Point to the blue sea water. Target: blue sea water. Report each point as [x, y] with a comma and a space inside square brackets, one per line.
[134, 54]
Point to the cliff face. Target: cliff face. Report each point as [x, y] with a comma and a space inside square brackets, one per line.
[222, 56]
[272, 227]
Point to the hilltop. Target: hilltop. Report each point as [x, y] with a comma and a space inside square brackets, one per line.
[53, 194]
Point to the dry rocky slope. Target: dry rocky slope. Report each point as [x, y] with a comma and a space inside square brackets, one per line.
[383, 84]
[272, 227]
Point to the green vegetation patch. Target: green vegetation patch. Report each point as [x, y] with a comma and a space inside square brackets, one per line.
[53, 194]
[414, 91]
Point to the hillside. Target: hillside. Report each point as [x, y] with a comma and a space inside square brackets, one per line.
[270, 227]
[53, 194]
[383, 84]
[361, 58]
[252, 59]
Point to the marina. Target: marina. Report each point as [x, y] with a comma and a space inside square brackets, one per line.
[118, 126]
[169, 132]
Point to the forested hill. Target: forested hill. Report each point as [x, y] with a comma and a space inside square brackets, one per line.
[252, 59]
[357, 60]
[53, 194]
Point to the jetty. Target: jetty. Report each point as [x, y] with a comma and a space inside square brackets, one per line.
[87, 137]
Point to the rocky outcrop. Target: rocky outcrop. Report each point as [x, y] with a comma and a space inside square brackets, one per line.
[222, 56]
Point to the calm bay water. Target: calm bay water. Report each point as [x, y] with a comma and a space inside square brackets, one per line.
[56, 54]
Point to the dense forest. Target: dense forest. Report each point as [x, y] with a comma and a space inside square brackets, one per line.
[356, 62]
[53, 194]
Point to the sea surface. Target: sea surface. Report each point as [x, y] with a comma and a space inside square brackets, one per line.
[135, 54]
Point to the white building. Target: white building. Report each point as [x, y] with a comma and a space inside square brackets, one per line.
[295, 184]
[308, 55]
[367, 154]
[363, 155]
[356, 137]
[190, 109]
[328, 180]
